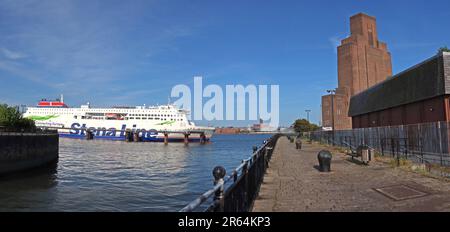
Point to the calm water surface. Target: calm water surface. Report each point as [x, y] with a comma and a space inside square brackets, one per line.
[117, 176]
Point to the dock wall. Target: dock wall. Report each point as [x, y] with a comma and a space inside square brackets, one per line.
[21, 151]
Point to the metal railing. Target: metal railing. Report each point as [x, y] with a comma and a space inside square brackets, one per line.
[424, 143]
[237, 191]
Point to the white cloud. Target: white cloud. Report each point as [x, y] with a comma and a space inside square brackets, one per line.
[335, 42]
[12, 55]
[85, 48]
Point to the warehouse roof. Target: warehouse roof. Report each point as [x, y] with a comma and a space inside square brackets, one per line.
[428, 79]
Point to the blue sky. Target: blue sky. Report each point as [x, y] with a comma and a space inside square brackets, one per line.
[134, 52]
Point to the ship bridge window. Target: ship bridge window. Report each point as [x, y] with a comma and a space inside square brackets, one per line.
[144, 118]
[138, 118]
[131, 117]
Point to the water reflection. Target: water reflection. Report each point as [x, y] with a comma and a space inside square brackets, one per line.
[117, 176]
[18, 191]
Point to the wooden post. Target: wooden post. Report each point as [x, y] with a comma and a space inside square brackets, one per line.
[202, 138]
[128, 136]
[89, 135]
[166, 138]
[186, 138]
[136, 137]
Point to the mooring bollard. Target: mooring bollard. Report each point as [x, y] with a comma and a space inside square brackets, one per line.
[324, 158]
[186, 138]
[298, 144]
[166, 138]
[136, 137]
[128, 136]
[202, 138]
[219, 173]
[89, 135]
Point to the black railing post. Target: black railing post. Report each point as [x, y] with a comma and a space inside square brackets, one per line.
[350, 142]
[255, 148]
[239, 197]
[392, 147]
[219, 173]
[397, 144]
[267, 157]
[245, 173]
[421, 149]
[407, 147]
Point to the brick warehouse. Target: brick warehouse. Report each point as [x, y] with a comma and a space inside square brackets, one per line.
[363, 61]
[420, 94]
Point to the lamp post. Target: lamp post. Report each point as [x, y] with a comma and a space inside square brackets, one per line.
[332, 92]
[307, 114]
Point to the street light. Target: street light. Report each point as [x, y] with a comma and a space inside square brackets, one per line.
[307, 114]
[332, 92]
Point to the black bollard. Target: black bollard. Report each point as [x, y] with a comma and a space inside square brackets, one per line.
[219, 173]
[324, 158]
[298, 144]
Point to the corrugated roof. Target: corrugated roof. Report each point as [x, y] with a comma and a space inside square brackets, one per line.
[423, 81]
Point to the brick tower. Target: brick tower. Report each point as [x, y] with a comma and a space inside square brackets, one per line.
[363, 61]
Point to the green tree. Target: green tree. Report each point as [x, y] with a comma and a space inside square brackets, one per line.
[302, 125]
[444, 49]
[11, 119]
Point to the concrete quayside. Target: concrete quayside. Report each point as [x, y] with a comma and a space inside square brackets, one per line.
[23, 151]
[294, 183]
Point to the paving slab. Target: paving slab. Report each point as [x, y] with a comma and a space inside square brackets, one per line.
[294, 184]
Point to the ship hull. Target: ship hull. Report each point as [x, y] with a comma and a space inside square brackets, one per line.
[148, 124]
[159, 137]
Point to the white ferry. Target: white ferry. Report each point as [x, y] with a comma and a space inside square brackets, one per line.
[153, 124]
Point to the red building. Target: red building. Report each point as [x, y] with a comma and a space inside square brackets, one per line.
[420, 94]
[363, 61]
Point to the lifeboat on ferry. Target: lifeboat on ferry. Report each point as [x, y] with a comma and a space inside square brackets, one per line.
[55, 103]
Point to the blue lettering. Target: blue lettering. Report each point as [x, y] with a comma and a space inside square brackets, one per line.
[83, 129]
[101, 131]
[141, 132]
[122, 131]
[151, 133]
[75, 128]
[111, 132]
[92, 130]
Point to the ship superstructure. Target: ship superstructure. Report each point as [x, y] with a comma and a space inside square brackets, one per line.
[154, 123]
